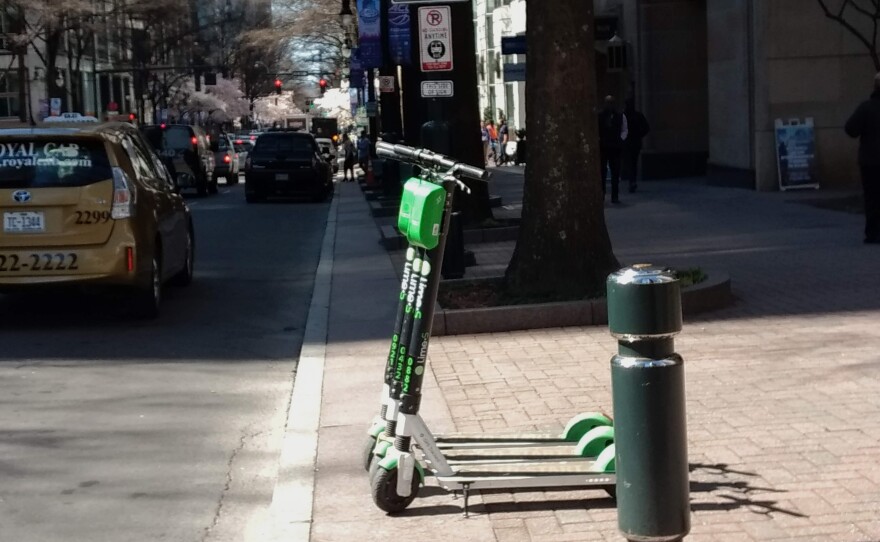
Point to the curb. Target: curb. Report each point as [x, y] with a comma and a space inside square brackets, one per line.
[712, 294]
[290, 513]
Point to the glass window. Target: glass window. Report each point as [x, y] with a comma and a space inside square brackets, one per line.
[178, 138]
[32, 163]
[141, 164]
[9, 104]
[284, 144]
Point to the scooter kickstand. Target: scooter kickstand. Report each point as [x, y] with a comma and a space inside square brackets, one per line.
[466, 491]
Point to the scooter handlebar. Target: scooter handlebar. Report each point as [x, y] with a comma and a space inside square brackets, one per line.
[425, 157]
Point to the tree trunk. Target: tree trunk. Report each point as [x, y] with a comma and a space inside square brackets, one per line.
[563, 250]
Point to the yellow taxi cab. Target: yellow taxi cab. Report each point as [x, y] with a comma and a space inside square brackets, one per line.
[91, 205]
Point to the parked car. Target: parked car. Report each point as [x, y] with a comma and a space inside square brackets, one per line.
[91, 205]
[226, 159]
[243, 147]
[329, 152]
[191, 154]
[287, 163]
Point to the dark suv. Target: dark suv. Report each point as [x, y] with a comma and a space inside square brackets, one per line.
[187, 151]
[287, 164]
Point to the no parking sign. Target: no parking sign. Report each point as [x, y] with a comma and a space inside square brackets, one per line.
[435, 38]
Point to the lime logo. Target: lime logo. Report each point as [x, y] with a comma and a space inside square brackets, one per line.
[426, 269]
[419, 370]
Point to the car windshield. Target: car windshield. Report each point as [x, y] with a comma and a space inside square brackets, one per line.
[176, 138]
[283, 145]
[34, 163]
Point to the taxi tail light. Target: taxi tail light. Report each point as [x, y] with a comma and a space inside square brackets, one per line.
[194, 141]
[123, 199]
[129, 258]
[227, 159]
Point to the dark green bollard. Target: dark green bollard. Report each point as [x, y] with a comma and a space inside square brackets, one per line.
[647, 384]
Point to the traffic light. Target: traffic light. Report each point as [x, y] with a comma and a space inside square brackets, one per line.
[323, 84]
[278, 85]
[132, 117]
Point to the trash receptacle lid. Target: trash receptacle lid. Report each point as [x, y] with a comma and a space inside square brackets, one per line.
[643, 273]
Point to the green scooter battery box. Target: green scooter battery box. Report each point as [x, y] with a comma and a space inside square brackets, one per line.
[421, 213]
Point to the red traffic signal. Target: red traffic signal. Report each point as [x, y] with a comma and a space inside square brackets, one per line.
[132, 117]
[323, 84]
[278, 85]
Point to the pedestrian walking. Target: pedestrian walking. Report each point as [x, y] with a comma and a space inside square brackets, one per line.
[865, 125]
[484, 137]
[503, 140]
[493, 139]
[613, 132]
[364, 146]
[349, 154]
[637, 128]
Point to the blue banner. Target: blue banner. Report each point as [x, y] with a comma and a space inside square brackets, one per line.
[370, 33]
[399, 41]
[356, 77]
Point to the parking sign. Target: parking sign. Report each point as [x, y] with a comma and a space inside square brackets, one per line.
[435, 38]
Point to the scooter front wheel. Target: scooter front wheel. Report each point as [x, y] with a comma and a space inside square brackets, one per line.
[367, 452]
[383, 486]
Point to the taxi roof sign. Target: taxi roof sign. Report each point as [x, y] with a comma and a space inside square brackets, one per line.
[71, 117]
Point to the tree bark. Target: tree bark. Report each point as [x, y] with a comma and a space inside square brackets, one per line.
[563, 250]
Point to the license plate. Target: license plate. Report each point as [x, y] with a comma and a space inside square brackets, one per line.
[281, 176]
[24, 222]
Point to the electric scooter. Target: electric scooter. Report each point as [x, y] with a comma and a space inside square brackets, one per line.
[401, 451]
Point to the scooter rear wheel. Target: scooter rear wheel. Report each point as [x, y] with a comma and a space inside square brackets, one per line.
[383, 486]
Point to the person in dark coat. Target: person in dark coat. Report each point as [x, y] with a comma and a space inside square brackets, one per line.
[612, 133]
[865, 125]
[638, 129]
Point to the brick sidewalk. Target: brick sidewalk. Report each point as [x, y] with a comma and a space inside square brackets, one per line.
[783, 388]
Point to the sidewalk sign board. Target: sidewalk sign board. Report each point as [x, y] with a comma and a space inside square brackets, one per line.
[438, 89]
[796, 154]
[435, 38]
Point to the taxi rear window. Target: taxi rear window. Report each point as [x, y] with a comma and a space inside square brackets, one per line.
[33, 163]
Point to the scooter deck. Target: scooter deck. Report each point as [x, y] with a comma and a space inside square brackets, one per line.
[527, 475]
[529, 453]
[455, 441]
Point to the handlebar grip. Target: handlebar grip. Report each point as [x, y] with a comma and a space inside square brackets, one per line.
[473, 172]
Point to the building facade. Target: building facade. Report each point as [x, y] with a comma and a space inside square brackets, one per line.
[713, 77]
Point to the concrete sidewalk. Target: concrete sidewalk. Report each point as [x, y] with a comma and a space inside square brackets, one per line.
[783, 387]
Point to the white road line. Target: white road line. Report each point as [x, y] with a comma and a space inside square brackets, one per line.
[290, 514]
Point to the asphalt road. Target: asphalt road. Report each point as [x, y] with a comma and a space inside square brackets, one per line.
[119, 430]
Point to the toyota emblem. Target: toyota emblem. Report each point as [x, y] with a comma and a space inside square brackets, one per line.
[21, 196]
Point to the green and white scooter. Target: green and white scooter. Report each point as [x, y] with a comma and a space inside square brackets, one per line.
[401, 450]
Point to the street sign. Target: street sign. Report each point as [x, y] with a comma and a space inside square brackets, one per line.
[386, 83]
[513, 45]
[438, 89]
[435, 38]
[514, 72]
